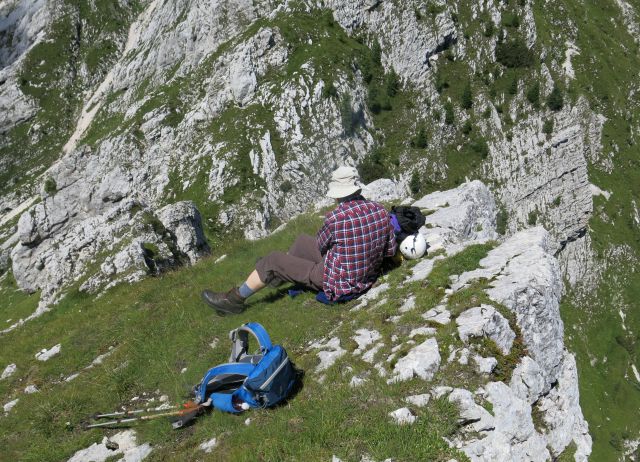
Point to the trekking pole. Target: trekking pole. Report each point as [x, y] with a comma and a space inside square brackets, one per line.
[185, 414]
[142, 417]
[135, 411]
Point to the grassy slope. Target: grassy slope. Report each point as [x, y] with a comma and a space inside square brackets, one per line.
[605, 71]
[159, 326]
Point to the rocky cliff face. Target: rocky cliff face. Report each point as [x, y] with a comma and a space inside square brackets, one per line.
[143, 127]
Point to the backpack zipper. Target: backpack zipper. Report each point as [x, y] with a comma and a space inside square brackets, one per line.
[273, 376]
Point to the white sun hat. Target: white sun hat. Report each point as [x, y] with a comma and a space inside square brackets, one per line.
[344, 182]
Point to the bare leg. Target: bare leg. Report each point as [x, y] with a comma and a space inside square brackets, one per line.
[254, 283]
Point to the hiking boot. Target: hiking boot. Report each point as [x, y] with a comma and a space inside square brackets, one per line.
[225, 303]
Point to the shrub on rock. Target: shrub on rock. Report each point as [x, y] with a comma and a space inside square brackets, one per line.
[514, 53]
[555, 101]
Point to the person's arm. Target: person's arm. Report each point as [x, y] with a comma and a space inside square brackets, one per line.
[325, 237]
[392, 245]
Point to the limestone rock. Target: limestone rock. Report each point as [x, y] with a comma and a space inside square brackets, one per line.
[439, 392]
[472, 415]
[562, 413]
[486, 321]
[183, 220]
[8, 371]
[364, 338]
[546, 180]
[45, 355]
[418, 400]
[513, 437]
[423, 268]
[485, 365]
[408, 305]
[403, 416]
[329, 354]
[23, 26]
[440, 315]
[123, 443]
[10, 405]
[371, 294]
[209, 445]
[526, 279]
[409, 44]
[139, 244]
[422, 361]
[461, 217]
[5, 260]
[29, 389]
[383, 190]
[527, 380]
[426, 331]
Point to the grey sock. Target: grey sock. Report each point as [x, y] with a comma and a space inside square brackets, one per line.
[245, 291]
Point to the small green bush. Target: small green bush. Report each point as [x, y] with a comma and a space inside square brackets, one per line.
[532, 219]
[547, 127]
[329, 91]
[349, 121]
[434, 9]
[286, 186]
[372, 167]
[392, 83]
[415, 184]
[441, 82]
[467, 127]
[513, 86]
[150, 249]
[533, 94]
[50, 186]
[480, 146]
[502, 219]
[514, 54]
[511, 20]
[373, 100]
[449, 115]
[489, 29]
[420, 140]
[466, 100]
[555, 101]
[376, 53]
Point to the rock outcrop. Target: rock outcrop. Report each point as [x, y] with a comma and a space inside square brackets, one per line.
[533, 413]
[124, 244]
[459, 217]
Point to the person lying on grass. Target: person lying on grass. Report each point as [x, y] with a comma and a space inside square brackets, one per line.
[343, 260]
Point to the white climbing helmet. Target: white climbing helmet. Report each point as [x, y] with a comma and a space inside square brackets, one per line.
[413, 246]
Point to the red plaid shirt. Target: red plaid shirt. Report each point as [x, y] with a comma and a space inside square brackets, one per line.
[354, 239]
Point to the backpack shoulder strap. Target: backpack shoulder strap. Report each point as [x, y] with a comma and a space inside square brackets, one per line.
[260, 333]
[223, 369]
[240, 339]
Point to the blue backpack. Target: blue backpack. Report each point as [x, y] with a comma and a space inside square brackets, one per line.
[248, 380]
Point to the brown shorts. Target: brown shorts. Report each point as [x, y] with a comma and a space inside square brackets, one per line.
[303, 264]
